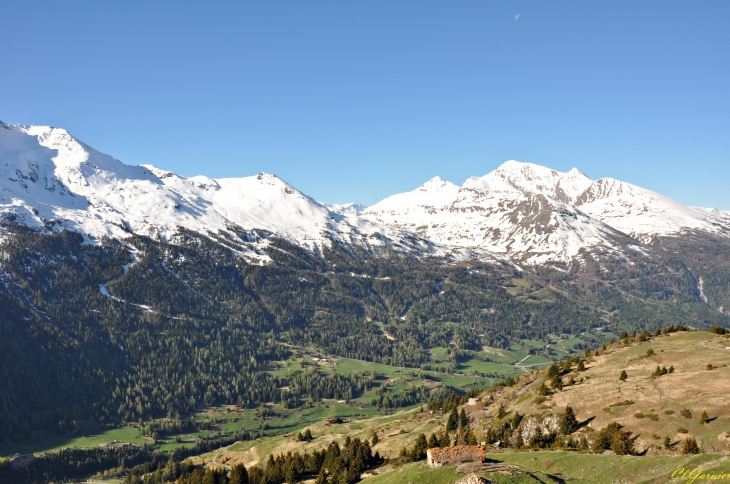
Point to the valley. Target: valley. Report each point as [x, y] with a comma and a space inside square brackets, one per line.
[150, 318]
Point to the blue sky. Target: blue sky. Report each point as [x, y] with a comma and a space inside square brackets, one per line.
[354, 101]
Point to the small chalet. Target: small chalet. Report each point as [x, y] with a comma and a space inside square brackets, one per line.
[457, 454]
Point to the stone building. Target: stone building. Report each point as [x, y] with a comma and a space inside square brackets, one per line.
[455, 455]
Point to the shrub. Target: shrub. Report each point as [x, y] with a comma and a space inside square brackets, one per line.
[685, 413]
[639, 415]
[668, 412]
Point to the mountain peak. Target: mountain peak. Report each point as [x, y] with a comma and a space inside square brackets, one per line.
[437, 184]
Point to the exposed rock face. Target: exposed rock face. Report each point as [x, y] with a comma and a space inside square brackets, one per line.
[473, 479]
[457, 454]
[533, 426]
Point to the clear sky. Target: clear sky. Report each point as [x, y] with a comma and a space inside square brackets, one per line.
[355, 100]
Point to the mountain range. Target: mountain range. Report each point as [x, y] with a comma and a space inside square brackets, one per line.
[131, 293]
[523, 212]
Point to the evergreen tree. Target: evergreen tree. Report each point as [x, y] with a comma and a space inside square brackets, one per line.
[557, 383]
[519, 442]
[667, 443]
[501, 412]
[418, 452]
[453, 421]
[463, 419]
[375, 439]
[433, 441]
[581, 366]
[568, 423]
[553, 371]
[239, 475]
[516, 419]
[321, 477]
[704, 417]
[445, 440]
[623, 375]
[689, 446]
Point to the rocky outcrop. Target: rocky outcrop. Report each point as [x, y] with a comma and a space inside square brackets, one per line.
[473, 479]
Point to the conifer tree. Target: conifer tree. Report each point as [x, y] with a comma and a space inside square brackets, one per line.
[667, 443]
[445, 439]
[453, 421]
[501, 412]
[375, 439]
[433, 441]
[557, 383]
[463, 419]
[704, 417]
[239, 475]
[322, 477]
[623, 375]
[581, 366]
[543, 390]
[689, 446]
[568, 422]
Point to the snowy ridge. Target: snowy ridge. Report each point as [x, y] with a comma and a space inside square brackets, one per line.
[48, 180]
[500, 212]
[536, 214]
[346, 209]
[521, 211]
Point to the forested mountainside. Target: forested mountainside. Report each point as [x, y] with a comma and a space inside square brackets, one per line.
[123, 331]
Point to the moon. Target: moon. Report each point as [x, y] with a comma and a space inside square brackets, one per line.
[517, 17]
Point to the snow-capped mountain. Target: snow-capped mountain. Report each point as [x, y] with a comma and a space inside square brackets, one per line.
[499, 213]
[49, 179]
[346, 209]
[531, 212]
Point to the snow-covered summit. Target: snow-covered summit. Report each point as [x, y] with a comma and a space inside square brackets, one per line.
[346, 209]
[539, 214]
[48, 180]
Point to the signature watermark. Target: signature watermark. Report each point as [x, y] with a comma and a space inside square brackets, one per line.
[698, 474]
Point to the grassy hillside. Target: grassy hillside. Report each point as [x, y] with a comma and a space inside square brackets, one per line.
[648, 406]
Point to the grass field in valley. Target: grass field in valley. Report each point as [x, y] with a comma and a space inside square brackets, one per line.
[226, 420]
